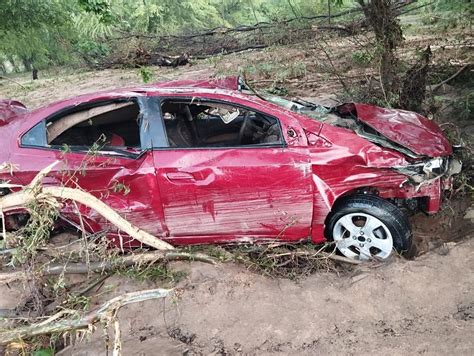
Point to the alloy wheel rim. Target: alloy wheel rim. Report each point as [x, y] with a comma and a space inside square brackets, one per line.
[362, 236]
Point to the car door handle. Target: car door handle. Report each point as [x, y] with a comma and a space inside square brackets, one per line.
[180, 177]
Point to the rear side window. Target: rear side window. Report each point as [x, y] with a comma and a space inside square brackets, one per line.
[110, 126]
[36, 136]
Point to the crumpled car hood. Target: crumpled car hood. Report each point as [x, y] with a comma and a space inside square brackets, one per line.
[406, 128]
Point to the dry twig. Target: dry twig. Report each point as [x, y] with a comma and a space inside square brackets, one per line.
[437, 86]
[55, 269]
[58, 324]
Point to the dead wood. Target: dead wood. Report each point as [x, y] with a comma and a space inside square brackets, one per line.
[168, 49]
[231, 51]
[34, 191]
[58, 324]
[59, 126]
[11, 80]
[319, 255]
[222, 30]
[54, 269]
[23, 198]
[462, 69]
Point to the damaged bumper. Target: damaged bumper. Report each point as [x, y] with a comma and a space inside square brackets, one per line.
[429, 170]
[428, 180]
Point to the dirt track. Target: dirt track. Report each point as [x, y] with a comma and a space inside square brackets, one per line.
[424, 306]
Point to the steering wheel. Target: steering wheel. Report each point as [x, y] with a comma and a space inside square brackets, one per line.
[243, 128]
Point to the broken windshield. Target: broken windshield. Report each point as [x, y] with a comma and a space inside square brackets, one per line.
[312, 110]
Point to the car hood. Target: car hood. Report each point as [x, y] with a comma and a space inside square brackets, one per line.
[408, 129]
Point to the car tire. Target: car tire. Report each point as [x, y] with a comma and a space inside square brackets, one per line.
[367, 227]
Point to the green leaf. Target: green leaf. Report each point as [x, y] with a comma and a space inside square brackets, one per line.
[43, 352]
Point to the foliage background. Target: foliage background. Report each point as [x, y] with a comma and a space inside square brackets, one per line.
[56, 32]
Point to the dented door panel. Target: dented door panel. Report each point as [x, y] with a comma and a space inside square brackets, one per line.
[242, 193]
[127, 185]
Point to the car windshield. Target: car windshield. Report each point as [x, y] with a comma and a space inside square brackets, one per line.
[300, 106]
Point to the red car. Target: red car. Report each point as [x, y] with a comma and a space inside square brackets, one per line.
[213, 161]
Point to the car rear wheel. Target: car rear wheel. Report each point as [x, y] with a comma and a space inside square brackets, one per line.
[368, 227]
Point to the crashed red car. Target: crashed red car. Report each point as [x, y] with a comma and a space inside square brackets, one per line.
[213, 161]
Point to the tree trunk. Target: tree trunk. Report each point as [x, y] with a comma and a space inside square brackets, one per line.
[413, 91]
[381, 17]
[329, 12]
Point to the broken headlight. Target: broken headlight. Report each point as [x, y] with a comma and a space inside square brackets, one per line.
[435, 167]
[431, 169]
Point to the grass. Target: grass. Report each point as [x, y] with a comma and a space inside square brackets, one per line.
[292, 261]
[145, 74]
[363, 58]
[284, 261]
[155, 273]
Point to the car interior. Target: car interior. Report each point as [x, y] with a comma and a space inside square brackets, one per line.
[111, 125]
[188, 124]
[206, 124]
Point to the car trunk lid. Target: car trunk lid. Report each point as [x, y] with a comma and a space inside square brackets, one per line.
[10, 110]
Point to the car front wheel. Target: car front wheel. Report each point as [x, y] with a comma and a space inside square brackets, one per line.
[364, 227]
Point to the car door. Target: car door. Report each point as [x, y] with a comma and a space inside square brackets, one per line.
[121, 172]
[238, 193]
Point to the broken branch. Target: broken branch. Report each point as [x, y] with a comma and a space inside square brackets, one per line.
[319, 254]
[106, 266]
[52, 325]
[22, 198]
[11, 80]
[437, 86]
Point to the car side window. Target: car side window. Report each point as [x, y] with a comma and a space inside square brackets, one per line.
[111, 126]
[191, 124]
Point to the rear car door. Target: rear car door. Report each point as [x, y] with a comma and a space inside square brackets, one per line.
[217, 187]
[103, 148]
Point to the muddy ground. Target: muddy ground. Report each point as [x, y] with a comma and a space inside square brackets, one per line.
[405, 307]
[424, 306]
[419, 306]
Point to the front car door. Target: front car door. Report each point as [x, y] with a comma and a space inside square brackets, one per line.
[218, 183]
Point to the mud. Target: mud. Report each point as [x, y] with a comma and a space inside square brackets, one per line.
[404, 307]
[448, 225]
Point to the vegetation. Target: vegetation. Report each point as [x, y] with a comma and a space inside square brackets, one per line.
[38, 34]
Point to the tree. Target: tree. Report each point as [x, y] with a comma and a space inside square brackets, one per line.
[35, 33]
[388, 35]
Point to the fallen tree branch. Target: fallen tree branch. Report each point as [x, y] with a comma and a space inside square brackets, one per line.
[55, 269]
[413, 8]
[437, 86]
[231, 51]
[319, 255]
[11, 80]
[74, 322]
[35, 191]
[22, 198]
[222, 30]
